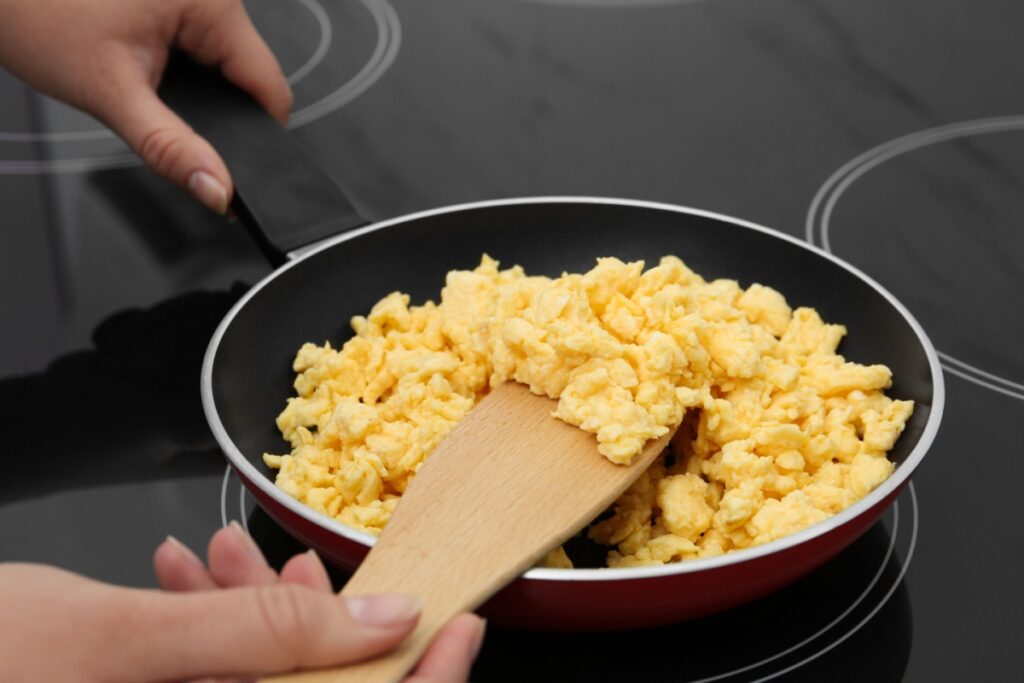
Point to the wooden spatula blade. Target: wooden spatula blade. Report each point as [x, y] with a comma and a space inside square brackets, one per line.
[507, 485]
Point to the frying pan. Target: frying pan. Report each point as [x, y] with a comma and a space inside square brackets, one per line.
[334, 264]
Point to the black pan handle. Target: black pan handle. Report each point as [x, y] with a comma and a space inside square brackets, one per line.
[281, 195]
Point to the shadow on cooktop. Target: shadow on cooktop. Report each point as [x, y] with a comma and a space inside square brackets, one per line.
[127, 410]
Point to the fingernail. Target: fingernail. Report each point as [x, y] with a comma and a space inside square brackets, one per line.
[383, 610]
[184, 551]
[246, 540]
[209, 191]
[479, 642]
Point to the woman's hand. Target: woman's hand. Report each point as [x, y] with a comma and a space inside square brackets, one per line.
[234, 618]
[107, 57]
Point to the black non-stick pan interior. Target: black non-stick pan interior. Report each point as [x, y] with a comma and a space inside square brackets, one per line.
[314, 300]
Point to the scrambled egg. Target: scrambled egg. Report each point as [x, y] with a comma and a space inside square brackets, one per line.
[778, 431]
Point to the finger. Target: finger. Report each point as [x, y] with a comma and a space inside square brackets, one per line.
[255, 631]
[163, 141]
[179, 569]
[236, 560]
[450, 657]
[219, 32]
[307, 570]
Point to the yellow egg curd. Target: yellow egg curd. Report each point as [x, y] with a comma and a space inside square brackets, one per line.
[778, 430]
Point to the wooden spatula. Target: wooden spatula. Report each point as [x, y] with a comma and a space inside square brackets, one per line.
[507, 485]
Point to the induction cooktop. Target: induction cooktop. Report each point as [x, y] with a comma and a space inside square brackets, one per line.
[890, 134]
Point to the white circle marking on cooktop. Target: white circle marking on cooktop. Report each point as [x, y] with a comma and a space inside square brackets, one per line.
[224, 496]
[326, 37]
[893, 535]
[243, 513]
[389, 39]
[241, 507]
[881, 603]
[822, 206]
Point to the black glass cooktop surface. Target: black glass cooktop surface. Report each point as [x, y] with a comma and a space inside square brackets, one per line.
[891, 134]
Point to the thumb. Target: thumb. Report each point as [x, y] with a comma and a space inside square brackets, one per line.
[259, 630]
[170, 147]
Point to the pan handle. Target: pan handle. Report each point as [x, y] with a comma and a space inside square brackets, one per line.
[281, 195]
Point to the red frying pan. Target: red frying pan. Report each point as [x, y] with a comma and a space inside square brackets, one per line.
[334, 264]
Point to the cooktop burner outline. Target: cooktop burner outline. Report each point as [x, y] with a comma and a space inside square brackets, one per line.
[243, 515]
[894, 531]
[819, 214]
[326, 37]
[893, 535]
[882, 602]
[388, 43]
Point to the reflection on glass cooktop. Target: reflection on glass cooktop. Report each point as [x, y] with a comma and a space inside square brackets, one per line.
[820, 119]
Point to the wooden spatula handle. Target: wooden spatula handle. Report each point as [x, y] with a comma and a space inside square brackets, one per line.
[509, 483]
[393, 666]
